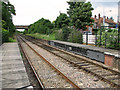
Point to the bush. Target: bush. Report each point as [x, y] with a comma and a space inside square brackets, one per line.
[5, 35]
[11, 39]
[63, 34]
[111, 37]
[75, 37]
[25, 32]
[58, 35]
[42, 26]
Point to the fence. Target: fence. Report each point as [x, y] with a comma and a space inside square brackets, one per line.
[91, 39]
[105, 38]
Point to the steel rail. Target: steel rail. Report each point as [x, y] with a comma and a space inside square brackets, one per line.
[58, 71]
[99, 76]
[76, 56]
[28, 59]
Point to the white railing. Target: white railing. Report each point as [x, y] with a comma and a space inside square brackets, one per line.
[91, 39]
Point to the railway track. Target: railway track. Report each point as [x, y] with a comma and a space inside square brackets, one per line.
[105, 74]
[47, 75]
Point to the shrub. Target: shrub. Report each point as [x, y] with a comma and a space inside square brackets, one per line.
[111, 37]
[63, 34]
[42, 26]
[75, 37]
[58, 35]
[25, 32]
[5, 35]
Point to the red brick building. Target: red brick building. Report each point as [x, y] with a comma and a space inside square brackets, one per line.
[98, 22]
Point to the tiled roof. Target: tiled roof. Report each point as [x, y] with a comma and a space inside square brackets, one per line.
[95, 20]
[100, 20]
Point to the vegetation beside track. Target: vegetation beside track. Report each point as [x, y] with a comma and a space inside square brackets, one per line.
[8, 28]
[11, 39]
[43, 36]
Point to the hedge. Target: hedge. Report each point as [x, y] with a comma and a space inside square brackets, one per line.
[5, 35]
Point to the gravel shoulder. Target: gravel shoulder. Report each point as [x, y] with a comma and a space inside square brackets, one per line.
[82, 79]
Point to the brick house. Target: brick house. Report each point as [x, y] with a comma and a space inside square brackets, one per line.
[98, 22]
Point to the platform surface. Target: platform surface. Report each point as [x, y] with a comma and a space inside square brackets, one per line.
[13, 71]
[115, 53]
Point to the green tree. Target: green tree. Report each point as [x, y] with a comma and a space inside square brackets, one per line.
[76, 37]
[80, 14]
[7, 11]
[42, 26]
[5, 35]
[4, 24]
[63, 33]
[62, 21]
[110, 38]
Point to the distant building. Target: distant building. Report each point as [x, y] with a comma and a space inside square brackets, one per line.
[98, 22]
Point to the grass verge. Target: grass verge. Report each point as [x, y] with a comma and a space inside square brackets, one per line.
[43, 36]
[11, 40]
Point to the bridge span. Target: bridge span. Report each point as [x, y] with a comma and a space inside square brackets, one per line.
[22, 26]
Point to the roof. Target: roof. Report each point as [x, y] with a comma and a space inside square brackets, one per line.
[100, 20]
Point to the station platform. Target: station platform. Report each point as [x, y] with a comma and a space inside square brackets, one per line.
[100, 49]
[12, 69]
[109, 57]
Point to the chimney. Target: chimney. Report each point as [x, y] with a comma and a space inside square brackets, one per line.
[99, 15]
[95, 16]
[104, 17]
[107, 18]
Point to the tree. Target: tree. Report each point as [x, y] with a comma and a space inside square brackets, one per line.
[42, 26]
[62, 21]
[7, 11]
[63, 33]
[76, 37]
[4, 24]
[80, 14]
[5, 35]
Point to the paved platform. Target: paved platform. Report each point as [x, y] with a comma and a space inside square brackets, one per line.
[13, 71]
[115, 53]
[108, 57]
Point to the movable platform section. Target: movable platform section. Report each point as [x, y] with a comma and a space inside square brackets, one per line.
[13, 71]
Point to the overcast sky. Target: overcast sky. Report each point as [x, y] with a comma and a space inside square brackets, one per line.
[29, 11]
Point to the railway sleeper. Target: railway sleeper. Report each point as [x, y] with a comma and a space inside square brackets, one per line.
[97, 74]
[105, 75]
[114, 78]
[89, 66]
[84, 65]
[81, 62]
[116, 81]
[92, 67]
